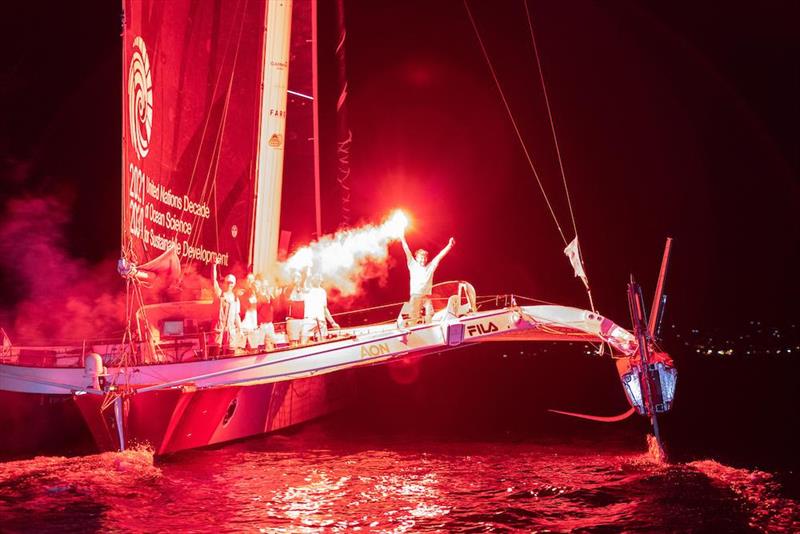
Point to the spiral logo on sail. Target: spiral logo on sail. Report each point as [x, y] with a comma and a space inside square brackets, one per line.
[140, 98]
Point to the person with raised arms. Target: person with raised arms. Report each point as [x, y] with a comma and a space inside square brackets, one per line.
[421, 279]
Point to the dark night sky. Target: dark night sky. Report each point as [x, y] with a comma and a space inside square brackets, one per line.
[673, 118]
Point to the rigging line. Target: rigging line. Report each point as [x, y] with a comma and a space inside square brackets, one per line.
[373, 308]
[513, 121]
[531, 299]
[215, 157]
[216, 212]
[550, 116]
[208, 116]
[157, 352]
[123, 361]
[216, 154]
[555, 142]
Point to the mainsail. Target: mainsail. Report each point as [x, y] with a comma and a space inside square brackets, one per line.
[191, 102]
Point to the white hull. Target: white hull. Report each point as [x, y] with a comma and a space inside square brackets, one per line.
[175, 406]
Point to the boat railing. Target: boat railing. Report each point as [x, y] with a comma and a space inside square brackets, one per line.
[164, 341]
[194, 340]
[65, 353]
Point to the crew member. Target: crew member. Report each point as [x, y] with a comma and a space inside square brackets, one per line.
[316, 314]
[297, 295]
[248, 303]
[229, 324]
[265, 311]
[421, 279]
[295, 308]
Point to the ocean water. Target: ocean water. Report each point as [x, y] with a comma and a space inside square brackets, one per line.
[427, 449]
[314, 481]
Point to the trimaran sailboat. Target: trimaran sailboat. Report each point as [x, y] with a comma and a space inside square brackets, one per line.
[214, 117]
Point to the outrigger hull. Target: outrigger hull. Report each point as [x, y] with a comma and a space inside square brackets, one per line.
[167, 420]
[37, 423]
[176, 406]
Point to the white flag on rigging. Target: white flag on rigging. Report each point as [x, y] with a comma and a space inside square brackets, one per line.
[573, 252]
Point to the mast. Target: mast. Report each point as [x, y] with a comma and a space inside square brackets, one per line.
[315, 104]
[271, 136]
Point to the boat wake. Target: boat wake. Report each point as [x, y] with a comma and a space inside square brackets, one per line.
[53, 489]
[90, 474]
[654, 450]
[769, 510]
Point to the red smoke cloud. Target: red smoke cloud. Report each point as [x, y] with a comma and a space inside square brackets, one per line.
[65, 299]
[62, 298]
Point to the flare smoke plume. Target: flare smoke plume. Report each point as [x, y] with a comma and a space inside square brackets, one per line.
[347, 258]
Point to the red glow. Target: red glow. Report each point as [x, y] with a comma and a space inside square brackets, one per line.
[405, 371]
